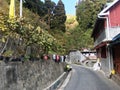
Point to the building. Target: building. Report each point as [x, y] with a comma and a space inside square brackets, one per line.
[106, 28]
[75, 56]
[90, 55]
[115, 48]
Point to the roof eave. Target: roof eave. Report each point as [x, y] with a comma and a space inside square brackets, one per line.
[107, 8]
[96, 25]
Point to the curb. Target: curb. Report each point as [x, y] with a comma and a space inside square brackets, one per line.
[49, 87]
[66, 81]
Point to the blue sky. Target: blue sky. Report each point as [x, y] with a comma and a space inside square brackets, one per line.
[69, 6]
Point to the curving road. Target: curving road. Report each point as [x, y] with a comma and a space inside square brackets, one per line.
[86, 79]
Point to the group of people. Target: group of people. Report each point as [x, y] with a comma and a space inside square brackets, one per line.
[54, 57]
[8, 58]
[58, 58]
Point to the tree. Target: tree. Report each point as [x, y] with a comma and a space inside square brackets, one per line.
[87, 11]
[36, 6]
[59, 16]
[54, 15]
[49, 6]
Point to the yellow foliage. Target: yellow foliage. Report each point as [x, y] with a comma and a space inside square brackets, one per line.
[8, 53]
[3, 26]
[3, 40]
[71, 22]
[39, 29]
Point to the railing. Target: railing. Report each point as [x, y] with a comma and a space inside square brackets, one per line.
[58, 82]
[102, 37]
[113, 31]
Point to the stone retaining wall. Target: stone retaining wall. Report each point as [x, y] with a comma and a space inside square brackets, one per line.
[29, 75]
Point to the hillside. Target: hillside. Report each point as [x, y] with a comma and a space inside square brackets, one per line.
[22, 36]
[71, 22]
[34, 31]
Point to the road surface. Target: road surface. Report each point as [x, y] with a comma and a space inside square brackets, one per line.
[86, 79]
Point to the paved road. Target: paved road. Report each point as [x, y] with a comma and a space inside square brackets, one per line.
[86, 79]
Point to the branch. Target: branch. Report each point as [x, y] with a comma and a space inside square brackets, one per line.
[4, 47]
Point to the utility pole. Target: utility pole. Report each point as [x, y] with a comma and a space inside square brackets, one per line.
[20, 8]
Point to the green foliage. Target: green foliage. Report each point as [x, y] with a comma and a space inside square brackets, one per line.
[87, 12]
[35, 35]
[32, 28]
[29, 30]
[3, 26]
[8, 53]
[7, 26]
[49, 7]
[71, 22]
[36, 6]
[78, 39]
[26, 58]
[61, 41]
[53, 15]
[59, 17]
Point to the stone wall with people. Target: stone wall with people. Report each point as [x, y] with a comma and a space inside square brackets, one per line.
[29, 75]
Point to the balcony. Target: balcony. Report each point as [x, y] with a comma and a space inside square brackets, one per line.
[107, 36]
[102, 37]
[114, 31]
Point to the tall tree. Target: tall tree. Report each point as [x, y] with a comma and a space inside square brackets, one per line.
[87, 11]
[59, 16]
[36, 6]
[49, 6]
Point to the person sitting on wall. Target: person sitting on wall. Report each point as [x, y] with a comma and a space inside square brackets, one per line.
[61, 58]
[97, 65]
[68, 68]
[54, 57]
[1, 57]
[57, 58]
[45, 57]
